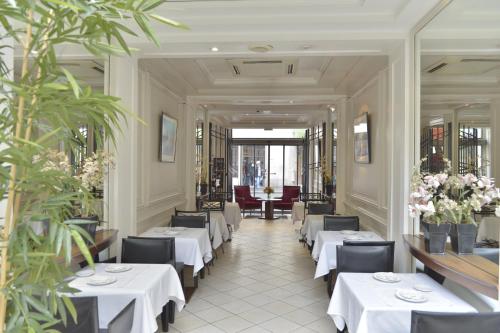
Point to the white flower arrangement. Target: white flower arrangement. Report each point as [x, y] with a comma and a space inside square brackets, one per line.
[53, 160]
[94, 169]
[451, 198]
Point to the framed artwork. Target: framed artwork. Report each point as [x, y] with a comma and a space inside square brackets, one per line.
[362, 139]
[168, 138]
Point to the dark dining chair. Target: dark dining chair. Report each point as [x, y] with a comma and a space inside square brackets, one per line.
[204, 213]
[438, 322]
[362, 259]
[340, 222]
[320, 209]
[188, 221]
[86, 314]
[143, 250]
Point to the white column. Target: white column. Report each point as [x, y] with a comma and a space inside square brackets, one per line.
[122, 205]
[400, 141]
[190, 112]
[495, 140]
[329, 141]
[7, 57]
[342, 142]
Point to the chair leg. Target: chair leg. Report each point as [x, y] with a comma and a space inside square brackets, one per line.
[164, 318]
[330, 283]
[202, 273]
[171, 312]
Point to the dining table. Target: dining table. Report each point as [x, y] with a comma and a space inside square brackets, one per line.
[217, 217]
[192, 245]
[298, 211]
[312, 224]
[367, 305]
[152, 286]
[232, 214]
[324, 251]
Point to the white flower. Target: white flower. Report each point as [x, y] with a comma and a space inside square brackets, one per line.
[497, 211]
[431, 181]
[468, 179]
[484, 182]
[441, 178]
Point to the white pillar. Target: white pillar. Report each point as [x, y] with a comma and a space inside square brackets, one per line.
[190, 112]
[495, 140]
[400, 141]
[122, 205]
[329, 141]
[342, 141]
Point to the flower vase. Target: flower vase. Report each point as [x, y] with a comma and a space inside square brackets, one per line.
[463, 237]
[435, 236]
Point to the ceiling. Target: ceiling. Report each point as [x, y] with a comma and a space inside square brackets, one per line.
[277, 91]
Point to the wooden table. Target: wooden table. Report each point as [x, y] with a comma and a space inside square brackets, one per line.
[103, 239]
[471, 271]
[269, 209]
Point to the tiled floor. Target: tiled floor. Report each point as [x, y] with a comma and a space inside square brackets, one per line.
[263, 283]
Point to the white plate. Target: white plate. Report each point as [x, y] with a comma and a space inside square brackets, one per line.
[353, 237]
[172, 233]
[117, 268]
[179, 228]
[386, 277]
[423, 287]
[410, 295]
[348, 232]
[85, 273]
[101, 280]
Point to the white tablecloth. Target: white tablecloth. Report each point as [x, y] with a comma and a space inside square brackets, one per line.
[325, 248]
[232, 214]
[369, 306]
[489, 228]
[298, 211]
[215, 232]
[312, 224]
[218, 218]
[192, 245]
[152, 286]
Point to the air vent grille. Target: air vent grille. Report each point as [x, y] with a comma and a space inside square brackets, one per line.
[437, 67]
[480, 60]
[236, 70]
[259, 62]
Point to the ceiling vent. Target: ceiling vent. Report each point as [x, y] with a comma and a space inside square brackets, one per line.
[437, 67]
[460, 65]
[263, 68]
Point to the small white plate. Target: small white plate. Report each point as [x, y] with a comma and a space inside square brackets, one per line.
[386, 277]
[348, 232]
[117, 268]
[101, 280]
[171, 233]
[410, 295]
[353, 237]
[85, 273]
[423, 287]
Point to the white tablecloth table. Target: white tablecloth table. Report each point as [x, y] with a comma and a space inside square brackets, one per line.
[312, 224]
[232, 214]
[298, 211]
[218, 218]
[192, 245]
[152, 286]
[215, 232]
[369, 306]
[325, 248]
[489, 228]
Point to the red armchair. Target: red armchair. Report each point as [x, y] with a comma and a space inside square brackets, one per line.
[290, 195]
[245, 199]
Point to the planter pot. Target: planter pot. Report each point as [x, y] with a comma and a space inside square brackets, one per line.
[329, 190]
[435, 237]
[203, 189]
[463, 237]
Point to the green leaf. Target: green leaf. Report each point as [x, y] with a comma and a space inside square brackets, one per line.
[72, 82]
[83, 247]
[169, 21]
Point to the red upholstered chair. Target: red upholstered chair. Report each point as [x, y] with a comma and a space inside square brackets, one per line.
[290, 195]
[245, 199]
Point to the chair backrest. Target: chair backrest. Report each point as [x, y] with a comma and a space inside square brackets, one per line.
[364, 259]
[389, 244]
[221, 196]
[320, 209]
[148, 250]
[242, 191]
[437, 322]
[290, 192]
[188, 221]
[124, 321]
[340, 222]
[87, 320]
[215, 205]
[204, 213]
[311, 196]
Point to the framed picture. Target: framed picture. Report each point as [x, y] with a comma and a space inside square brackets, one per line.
[362, 139]
[168, 138]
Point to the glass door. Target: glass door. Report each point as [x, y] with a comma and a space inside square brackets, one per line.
[276, 166]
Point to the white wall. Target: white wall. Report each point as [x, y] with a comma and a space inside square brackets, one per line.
[366, 185]
[161, 186]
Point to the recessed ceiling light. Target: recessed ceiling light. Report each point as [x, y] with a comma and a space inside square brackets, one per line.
[332, 108]
[260, 48]
[214, 49]
[266, 111]
[291, 101]
[306, 47]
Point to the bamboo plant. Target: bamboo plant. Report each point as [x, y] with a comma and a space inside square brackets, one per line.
[39, 110]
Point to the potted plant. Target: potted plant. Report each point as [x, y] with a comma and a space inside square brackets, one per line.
[44, 107]
[327, 178]
[268, 190]
[446, 203]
